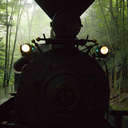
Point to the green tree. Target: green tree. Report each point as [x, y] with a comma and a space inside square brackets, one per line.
[107, 21]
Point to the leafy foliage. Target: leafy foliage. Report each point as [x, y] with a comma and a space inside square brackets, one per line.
[1, 61]
[107, 21]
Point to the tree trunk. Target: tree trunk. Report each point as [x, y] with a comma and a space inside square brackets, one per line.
[106, 23]
[110, 81]
[6, 49]
[15, 40]
[123, 12]
[9, 41]
[127, 11]
[115, 79]
[114, 19]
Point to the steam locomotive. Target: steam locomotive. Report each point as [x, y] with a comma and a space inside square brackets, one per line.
[64, 86]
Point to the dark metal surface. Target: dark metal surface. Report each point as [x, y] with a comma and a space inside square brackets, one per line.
[118, 117]
[74, 7]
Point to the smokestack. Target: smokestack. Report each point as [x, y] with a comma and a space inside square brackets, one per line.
[52, 7]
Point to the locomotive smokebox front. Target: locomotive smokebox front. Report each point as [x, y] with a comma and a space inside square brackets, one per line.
[63, 87]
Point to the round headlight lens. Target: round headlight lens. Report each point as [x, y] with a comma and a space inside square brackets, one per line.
[25, 48]
[104, 50]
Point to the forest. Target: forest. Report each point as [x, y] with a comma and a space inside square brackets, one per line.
[105, 20]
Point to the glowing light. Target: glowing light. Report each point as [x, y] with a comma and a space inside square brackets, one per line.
[97, 50]
[104, 50]
[33, 48]
[25, 48]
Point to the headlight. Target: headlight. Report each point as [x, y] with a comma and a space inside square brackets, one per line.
[25, 48]
[104, 50]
